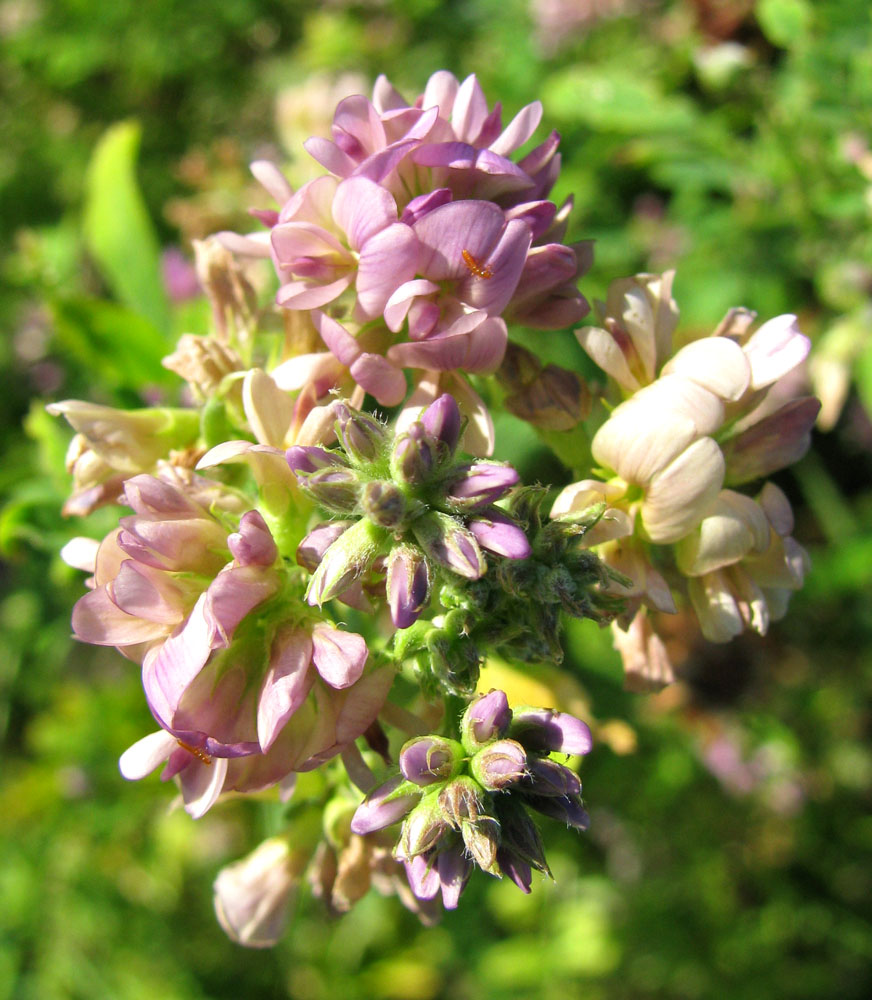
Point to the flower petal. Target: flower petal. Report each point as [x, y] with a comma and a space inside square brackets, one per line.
[286, 684]
[339, 657]
[680, 495]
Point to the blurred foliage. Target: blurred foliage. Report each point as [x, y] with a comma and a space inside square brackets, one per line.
[730, 848]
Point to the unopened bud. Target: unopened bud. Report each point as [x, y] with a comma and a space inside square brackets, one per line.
[447, 542]
[383, 503]
[335, 488]
[547, 777]
[481, 484]
[461, 800]
[408, 584]
[482, 839]
[499, 765]
[485, 720]
[542, 730]
[384, 806]
[306, 459]
[422, 828]
[516, 869]
[568, 810]
[456, 662]
[253, 544]
[518, 833]
[345, 561]
[443, 422]
[311, 550]
[428, 759]
[498, 533]
[412, 457]
[361, 436]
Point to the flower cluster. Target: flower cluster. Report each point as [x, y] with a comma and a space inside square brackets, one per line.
[465, 801]
[245, 686]
[329, 594]
[422, 239]
[693, 424]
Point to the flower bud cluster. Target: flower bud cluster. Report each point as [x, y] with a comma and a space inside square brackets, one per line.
[466, 802]
[409, 509]
[518, 609]
[694, 425]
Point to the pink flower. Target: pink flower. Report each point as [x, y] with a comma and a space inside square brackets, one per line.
[322, 232]
[448, 131]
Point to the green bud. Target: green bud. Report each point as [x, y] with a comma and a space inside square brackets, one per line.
[347, 559]
[422, 828]
[482, 839]
[383, 503]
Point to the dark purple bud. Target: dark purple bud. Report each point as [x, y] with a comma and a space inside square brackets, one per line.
[499, 534]
[408, 584]
[485, 720]
[361, 436]
[499, 765]
[305, 460]
[383, 806]
[542, 730]
[568, 810]
[482, 483]
[442, 421]
[311, 550]
[454, 870]
[547, 777]
[518, 833]
[446, 541]
[412, 458]
[516, 869]
[383, 503]
[253, 544]
[427, 759]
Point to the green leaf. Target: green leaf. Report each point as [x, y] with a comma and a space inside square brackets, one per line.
[118, 231]
[784, 22]
[121, 348]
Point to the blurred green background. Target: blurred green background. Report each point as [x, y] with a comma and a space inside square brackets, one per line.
[729, 854]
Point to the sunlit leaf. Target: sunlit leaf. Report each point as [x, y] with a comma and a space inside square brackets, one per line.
[118, 231]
